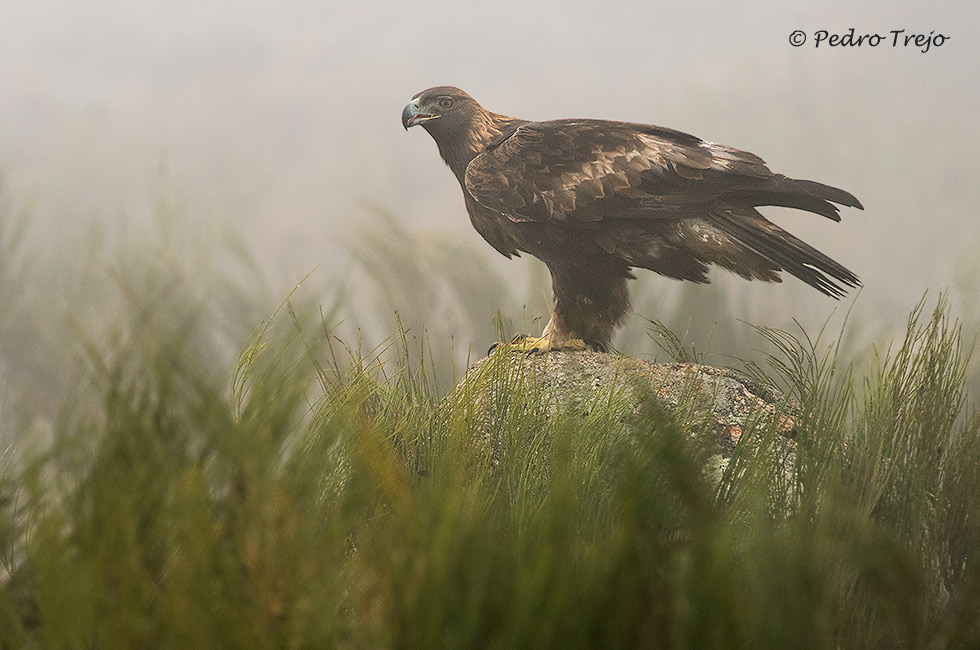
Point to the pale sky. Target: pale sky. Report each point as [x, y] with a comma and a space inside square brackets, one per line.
[281, 119]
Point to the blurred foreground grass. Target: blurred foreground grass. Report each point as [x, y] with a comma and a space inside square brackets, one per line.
[345, 506]
[322, 492]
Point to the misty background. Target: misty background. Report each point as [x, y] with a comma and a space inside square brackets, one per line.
[193, 162]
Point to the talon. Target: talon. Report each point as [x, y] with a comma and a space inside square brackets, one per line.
[531, 345]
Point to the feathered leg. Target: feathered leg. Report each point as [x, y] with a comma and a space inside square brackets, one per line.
[590, 300]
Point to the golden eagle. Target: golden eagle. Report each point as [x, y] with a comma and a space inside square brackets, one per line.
[594, 199]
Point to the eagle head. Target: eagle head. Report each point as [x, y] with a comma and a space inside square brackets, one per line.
[439, 109]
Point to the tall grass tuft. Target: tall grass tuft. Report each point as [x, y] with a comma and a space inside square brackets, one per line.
[330, 497]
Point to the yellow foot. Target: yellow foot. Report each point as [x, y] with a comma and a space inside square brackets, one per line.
[532, 345]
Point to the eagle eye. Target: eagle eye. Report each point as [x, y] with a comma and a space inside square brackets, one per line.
[445, 103]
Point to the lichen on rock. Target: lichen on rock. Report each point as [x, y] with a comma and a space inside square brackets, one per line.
[715, 406]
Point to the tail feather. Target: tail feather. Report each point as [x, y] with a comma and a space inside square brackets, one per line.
[800, 194]
[826, 192]
[785, 251]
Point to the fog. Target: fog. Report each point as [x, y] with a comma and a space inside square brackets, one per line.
[279, 121]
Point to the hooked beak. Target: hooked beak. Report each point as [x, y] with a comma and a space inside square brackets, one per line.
[412, 114]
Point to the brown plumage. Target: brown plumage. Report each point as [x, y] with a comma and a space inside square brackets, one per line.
[594, 199]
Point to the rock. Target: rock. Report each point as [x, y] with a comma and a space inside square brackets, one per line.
[715, 405]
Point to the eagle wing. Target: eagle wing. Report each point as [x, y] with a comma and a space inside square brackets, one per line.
[587, 170]
[595, 174]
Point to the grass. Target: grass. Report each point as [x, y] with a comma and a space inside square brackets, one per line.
[332, 498]
[325, 490]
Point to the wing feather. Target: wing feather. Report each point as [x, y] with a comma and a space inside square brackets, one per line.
[592, 170]
[658, 199]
